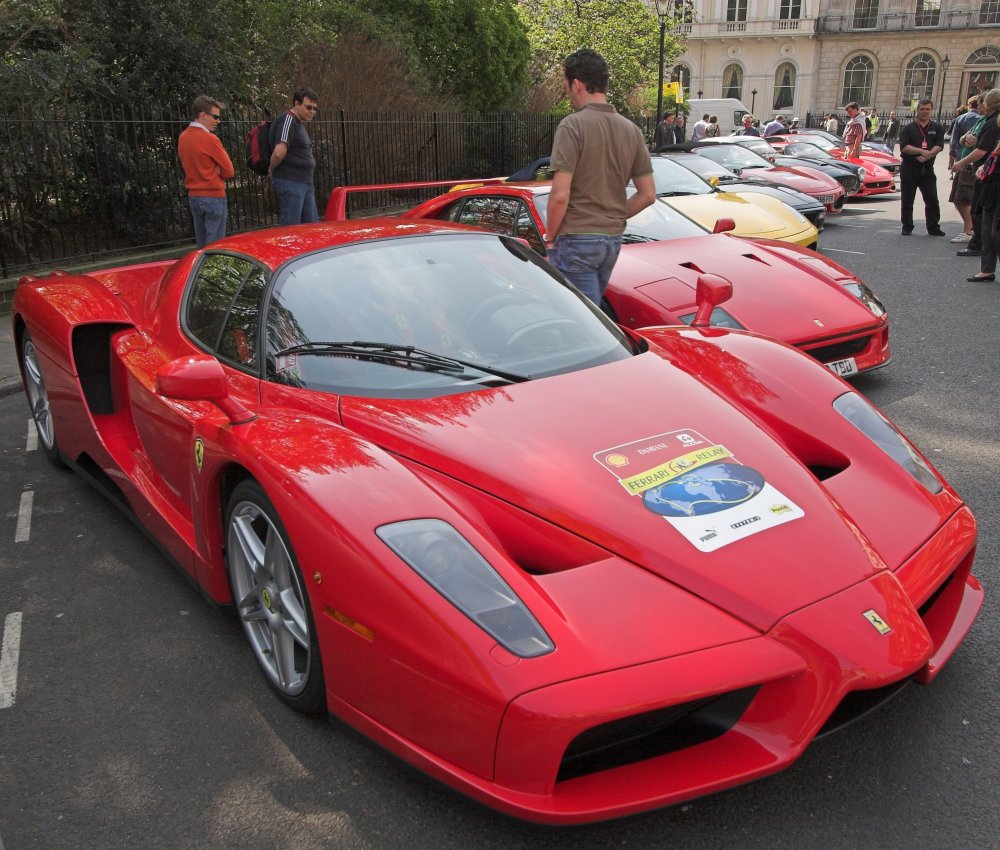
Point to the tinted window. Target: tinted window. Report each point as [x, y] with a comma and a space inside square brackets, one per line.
[239, 339]
[213, 290]
[495, 214]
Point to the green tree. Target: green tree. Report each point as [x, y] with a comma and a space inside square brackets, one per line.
[625, 32]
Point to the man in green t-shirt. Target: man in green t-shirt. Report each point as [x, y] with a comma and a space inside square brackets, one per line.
[595, 153]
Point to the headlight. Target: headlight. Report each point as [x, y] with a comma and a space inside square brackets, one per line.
[449, 564]
[866, 297]
[873, 425]
[862, 171]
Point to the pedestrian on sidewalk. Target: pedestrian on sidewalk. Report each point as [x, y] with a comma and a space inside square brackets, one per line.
[979, 142]
[207, 167]
[919, 143]
[292, 160]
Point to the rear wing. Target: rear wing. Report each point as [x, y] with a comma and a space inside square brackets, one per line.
[393, 200]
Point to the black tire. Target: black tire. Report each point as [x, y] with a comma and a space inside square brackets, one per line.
[38, 401]
[271, 599]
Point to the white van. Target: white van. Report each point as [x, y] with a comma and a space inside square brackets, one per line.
[728, 110]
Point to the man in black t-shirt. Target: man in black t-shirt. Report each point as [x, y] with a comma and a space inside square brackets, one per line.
[292, 161]
[919, 143]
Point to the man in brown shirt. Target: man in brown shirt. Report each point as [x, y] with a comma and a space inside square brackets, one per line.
[595, 153]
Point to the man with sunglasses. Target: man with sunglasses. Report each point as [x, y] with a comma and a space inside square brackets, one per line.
[292, 161]
[206, 168]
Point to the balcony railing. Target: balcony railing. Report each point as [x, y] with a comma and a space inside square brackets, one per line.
[756, 29]
[906, 21]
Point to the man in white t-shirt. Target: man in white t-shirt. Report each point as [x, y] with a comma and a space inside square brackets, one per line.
[699, 128]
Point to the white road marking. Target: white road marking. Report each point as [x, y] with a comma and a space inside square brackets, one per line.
[32, 442]
[845, 224]
[23, 533]
[9, 656]
[844, 251]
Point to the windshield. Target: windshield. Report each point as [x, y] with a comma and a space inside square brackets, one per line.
[423, 316]
[673, 179]
[655, 223]
[820, 142]
[705, 168]
[733, 157]
[809, 151]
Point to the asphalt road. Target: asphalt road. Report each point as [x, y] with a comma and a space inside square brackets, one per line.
[139, 718]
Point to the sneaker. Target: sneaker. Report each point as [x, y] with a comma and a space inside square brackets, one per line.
[962, 237]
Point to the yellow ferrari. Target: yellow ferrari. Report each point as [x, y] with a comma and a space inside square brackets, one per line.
[756, 215]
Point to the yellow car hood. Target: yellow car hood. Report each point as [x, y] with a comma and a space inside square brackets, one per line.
[761, 216]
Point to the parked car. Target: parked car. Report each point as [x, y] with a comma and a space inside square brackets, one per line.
[781, 290]
[571, 570]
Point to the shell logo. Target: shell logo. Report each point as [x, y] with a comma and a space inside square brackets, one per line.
[617, 460]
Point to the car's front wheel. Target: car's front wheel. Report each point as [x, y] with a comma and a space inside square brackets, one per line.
[38, 400]
[271, 599]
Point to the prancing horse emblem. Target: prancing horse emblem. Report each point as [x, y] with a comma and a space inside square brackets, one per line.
[881, 625]
[199, 452]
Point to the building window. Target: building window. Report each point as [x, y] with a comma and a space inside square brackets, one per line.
[732, 81]
[985, 55]
[858, 75]
[918, 78]
[790, 10]
[682, 74]
[784, 86]
[989, 12]
[928, 13]
[736, 10]
[865, 15]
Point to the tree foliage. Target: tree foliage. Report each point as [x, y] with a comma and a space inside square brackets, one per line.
[625, 32]
[474, 51]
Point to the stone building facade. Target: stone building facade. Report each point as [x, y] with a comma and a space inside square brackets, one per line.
[799, 56]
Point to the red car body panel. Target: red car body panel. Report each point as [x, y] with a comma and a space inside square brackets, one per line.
[768, 630]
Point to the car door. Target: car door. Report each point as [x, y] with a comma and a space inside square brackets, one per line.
[220, 316]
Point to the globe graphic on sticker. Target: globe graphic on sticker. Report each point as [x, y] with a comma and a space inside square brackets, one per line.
[705, 490]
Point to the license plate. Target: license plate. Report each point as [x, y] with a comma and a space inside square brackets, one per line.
[843, 367]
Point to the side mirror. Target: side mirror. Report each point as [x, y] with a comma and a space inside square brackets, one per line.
[724, 225]
[712, 291]
[200, 378]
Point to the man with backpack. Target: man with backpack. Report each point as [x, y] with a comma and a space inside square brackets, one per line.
[292, 163]
[206, 168]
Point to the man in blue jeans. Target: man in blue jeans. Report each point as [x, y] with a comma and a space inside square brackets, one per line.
[595, 153]
[292, 161]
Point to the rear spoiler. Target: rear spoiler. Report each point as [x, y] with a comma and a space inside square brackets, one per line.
[336, 206]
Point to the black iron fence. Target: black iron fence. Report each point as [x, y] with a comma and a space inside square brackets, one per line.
[82, 185]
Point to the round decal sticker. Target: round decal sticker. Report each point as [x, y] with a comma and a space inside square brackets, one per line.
[705, 490]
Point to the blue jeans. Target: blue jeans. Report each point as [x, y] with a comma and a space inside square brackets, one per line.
[297, 201]
[209, 217]
[587, 260]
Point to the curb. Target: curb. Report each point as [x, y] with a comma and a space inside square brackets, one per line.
[9, 386]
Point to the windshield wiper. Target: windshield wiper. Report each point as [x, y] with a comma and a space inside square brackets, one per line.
[404, 356]
[672, 194]
[629, 238]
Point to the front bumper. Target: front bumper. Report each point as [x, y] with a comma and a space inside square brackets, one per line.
[790, 681]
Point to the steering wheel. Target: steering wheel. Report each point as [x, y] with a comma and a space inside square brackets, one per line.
[524, 333]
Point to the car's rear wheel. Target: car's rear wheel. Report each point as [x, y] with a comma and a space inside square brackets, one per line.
[38, 400]
[271, 599]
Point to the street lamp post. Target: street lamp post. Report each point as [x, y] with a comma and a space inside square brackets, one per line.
[944, 76]
[753, 101]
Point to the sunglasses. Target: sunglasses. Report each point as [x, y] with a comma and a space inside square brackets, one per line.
[216, 116]
[311, 108]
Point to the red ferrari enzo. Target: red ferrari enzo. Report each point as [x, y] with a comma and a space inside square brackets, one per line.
[571, 570]
[780, 290]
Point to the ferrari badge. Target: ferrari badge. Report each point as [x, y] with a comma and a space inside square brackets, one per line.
[199, 452]
[881, 625]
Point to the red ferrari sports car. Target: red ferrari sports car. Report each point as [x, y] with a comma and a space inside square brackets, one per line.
[780, 290]
[571, 570]
[877, 180]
